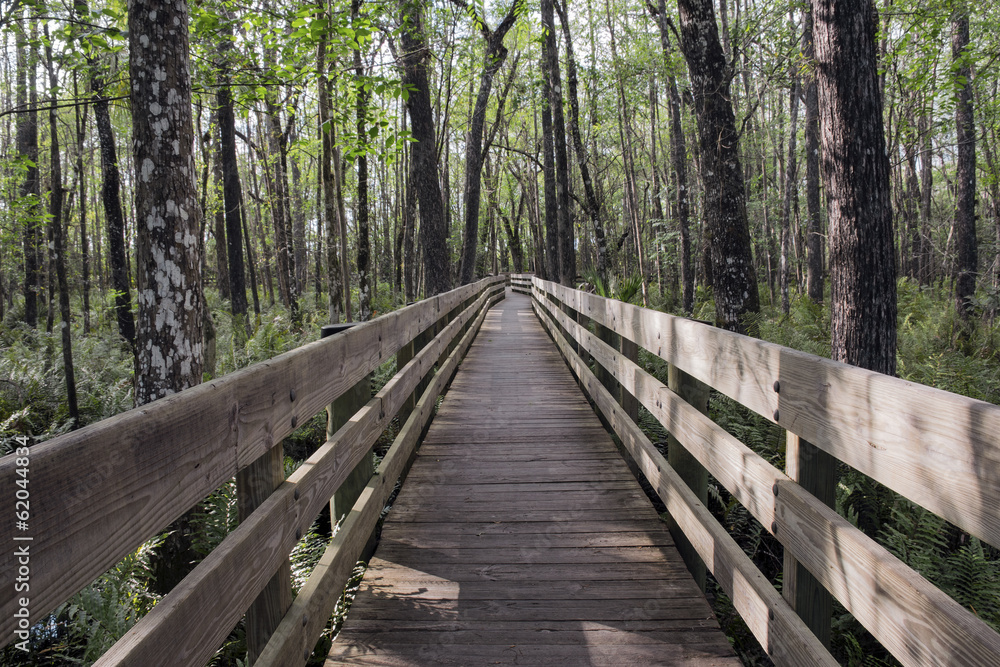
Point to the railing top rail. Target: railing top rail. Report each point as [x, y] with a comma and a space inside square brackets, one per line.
[905, 435]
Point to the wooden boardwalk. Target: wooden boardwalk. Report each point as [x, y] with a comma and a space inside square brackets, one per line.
[521, 537]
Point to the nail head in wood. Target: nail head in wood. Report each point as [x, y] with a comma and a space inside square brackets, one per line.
[295, 421]
[774, 489]
[774, 527]
[777, 387]
[775, 415]
[298, 533]
[291, 395]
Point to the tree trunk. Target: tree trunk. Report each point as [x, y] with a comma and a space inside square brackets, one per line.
[219, 219]
[496, 54]
[170, 337]
[433, 232]
[966, 260]
[791, 187]
[552, 264]
[81, 138]
[59, 243]
[734, 279]
[331, 214]
[232, 189]
[115, 218]
[678, 156]
[926, 186]
[30, 191]
[593, 203]
[814, 278]
[862, 267]
[567, 237]
[364, 248]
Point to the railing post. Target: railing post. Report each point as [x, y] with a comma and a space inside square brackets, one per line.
[403, 357]
[687, 466]
[339, 413]
[253, 485]
[816, 472]
[629, 402]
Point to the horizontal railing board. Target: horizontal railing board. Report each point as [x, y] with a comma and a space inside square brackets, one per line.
[773, 622]
[894, 606]
[293, 641]
[100, 492]
[192, 620]
[904, 435]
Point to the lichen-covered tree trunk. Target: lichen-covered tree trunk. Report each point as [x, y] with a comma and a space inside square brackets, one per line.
[727, 233]
[433, 231]
[966, 260]
[169, 336]
[856, 166]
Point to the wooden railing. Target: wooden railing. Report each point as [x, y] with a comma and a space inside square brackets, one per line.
[521, 283]
[940, 450]
[97, 494]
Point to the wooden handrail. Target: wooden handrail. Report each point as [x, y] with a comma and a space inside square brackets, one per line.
[100, 492]
[913, 619]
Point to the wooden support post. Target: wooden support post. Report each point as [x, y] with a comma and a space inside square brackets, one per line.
[606, 378]
[687, 466]
[403, 357]
[253, 485]
[816, 472]
[629, 403]
[339, 413]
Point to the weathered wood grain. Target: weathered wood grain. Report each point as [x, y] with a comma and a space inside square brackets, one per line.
[773, 622]
[293, 640]
[905, 435]
[912, 618]
[490, 529]
[221, 587]
[100, 492]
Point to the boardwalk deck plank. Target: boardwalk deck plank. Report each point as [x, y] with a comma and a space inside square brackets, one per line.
[521, 537]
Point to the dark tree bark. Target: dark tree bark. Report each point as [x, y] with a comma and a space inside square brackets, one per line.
[433, 232]
[331, 215]
[552, 246]
[791, 188]
[856, 166]
[926, 185]
[81, 138]
[232, 189]
[496, 54]
[410, 221]
[733, 276]
[58, 242]
[966, 260]
[170, 337]
[364, 244]
[30, 191]
[593, 203]
[219, 217]
[114, 216]
[814, 243]
[567, 237]
[678, 156]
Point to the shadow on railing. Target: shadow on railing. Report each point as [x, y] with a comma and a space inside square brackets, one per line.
[97, 494]
[938, 449]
